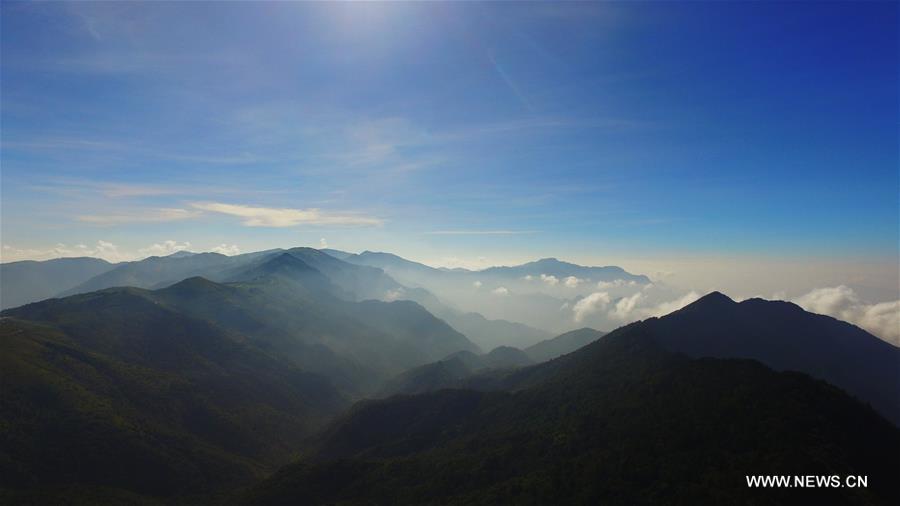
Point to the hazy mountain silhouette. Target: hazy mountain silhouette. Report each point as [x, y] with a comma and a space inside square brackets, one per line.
[503, 357]
[118, 389]
[156, 272]
[221, 379]
[562, 344]
[452, 371]
[223, 369]
[340, 255]
[532, 293]
[487, 333]
[408, 271]
[360, 277]
[30, 281]
[560, 269]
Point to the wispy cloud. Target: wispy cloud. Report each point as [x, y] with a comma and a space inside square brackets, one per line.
[68, 145]
[76, 187]
[124, 190]
[103, 249]
[226, 249]
[288, 217]
[140, 216]
[550, 279]
[165, 248]
[617, 283]
[481, 232]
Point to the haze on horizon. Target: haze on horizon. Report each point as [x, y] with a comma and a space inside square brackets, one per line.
[465, 135]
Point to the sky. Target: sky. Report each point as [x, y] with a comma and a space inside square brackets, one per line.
[751, 147]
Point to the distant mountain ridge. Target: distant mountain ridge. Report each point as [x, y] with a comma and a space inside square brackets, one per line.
[355, 281]
[532, 293]
[451, 371]
[560, 269]
[562, 344]
[281, 298]
[30, 281]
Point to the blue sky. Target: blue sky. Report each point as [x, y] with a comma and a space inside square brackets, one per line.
[459, 133]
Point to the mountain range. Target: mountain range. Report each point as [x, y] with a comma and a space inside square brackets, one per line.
[29, 281]
[204, 374]
[530, 294]
[197, 385]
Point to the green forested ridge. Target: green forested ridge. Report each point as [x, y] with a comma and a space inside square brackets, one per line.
[196, 387]
[625, 422]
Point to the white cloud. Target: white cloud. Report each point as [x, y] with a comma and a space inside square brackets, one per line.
[842, 302]
[625, 306]
[164, 248]
[672, 305]
[323, 243]
[392, 295]
[225, 249]
[616, 283]
[572, 282]
[550, 280]
[528, 277]
[286, 217]
[502, 291]
[139, 216]
[477, 284]
[472, 264]
[103, 249]
[593, 303]
[637, 306]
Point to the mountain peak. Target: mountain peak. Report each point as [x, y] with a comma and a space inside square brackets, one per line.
[713, 298]
[368, 253]
[192, 286]
[284, 261]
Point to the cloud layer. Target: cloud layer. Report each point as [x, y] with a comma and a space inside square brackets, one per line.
[140, 216]
[636, 306]
[842, 302]
[286, 217]
[593, 303]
